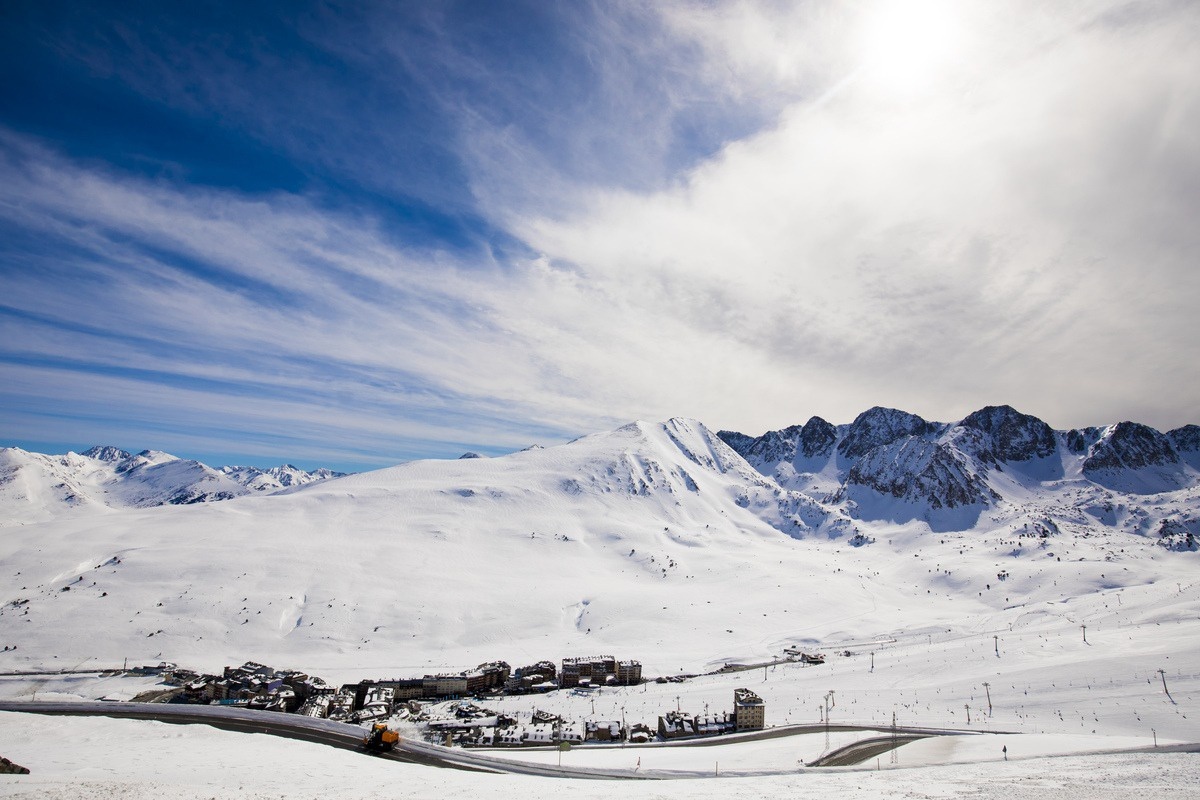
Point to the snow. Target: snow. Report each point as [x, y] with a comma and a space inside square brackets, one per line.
[654, 542]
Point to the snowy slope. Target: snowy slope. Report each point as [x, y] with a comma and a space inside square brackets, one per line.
[656, 542]
[657, 535]
[589, 545]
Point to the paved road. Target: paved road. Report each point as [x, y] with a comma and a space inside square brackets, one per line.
[321, 731]
[864, 750]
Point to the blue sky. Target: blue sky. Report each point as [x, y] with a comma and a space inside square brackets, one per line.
[354, 234]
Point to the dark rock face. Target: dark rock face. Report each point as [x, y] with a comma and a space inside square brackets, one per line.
[1080, 439]
[812, 440]
[1011, 435]
[817, 438]
[1187, 443]
[775, 446]
[1177, 535]
[9, 768]
[1130, 445]
[1185, 439]
[879, 426]
[107, 453]
[916, 469]
[738, 442]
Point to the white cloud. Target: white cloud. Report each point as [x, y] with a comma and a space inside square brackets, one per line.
[1014, 224]
[1017, 231]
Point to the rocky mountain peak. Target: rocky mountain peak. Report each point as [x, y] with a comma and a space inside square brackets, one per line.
[1130, 445]
[1010, 435]
[1186, 438]
[879, 426]
[775, 446]
[918, 470]
[106, 453]
[817, 438]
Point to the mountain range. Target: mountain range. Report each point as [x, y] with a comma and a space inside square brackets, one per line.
[34, 486]
[892, 465]
[691, 546]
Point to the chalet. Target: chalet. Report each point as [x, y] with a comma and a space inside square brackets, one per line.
[571, 732]
[546, 718]
[675, 725]
[599, 731]
[250, 668]
[510, 736]
[715, 724]
[540, 734]
[640, 733]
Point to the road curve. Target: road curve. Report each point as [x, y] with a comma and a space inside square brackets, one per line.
[320, 731]
[864, 749]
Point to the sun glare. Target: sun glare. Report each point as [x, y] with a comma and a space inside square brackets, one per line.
[908, 45]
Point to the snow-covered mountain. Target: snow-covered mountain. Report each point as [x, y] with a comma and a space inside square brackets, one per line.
[36, 487]
[660, 534]
[892, 465]
[276, 478]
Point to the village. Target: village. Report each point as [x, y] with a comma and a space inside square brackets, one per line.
[448, 708]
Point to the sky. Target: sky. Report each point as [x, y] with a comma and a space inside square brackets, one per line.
[353, 234]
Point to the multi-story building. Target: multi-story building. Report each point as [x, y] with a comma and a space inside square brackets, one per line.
[444, 685]
[629, 672]
[748, 710]
[588, 669]
[485, 677]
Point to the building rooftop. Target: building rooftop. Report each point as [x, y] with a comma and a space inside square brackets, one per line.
[745, 697]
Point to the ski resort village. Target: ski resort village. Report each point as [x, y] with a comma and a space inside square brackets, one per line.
[714, 399]
[888, 593]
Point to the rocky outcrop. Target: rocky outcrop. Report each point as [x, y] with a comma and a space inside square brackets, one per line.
[107, 453]
[1130, 446]
[738, 442]
[879, 426]
[919, 471]
[1008, 435]
[1186, 441]
[1079, 440]
[813, 439]
[9, 768]
[817, 438]
[1186, 438]
[774, 446]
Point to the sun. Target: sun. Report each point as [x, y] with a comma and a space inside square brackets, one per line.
[909, 46]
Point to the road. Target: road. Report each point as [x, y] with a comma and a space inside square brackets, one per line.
[865, 749]
[349, 737]
[320, 731]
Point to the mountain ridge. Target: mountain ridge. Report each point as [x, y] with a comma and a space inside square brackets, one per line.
[105, 477]
[652, 532]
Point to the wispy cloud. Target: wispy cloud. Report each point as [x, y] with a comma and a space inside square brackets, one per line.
[730, 211]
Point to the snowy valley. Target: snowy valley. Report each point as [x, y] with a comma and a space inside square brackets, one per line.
[1032, 580]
